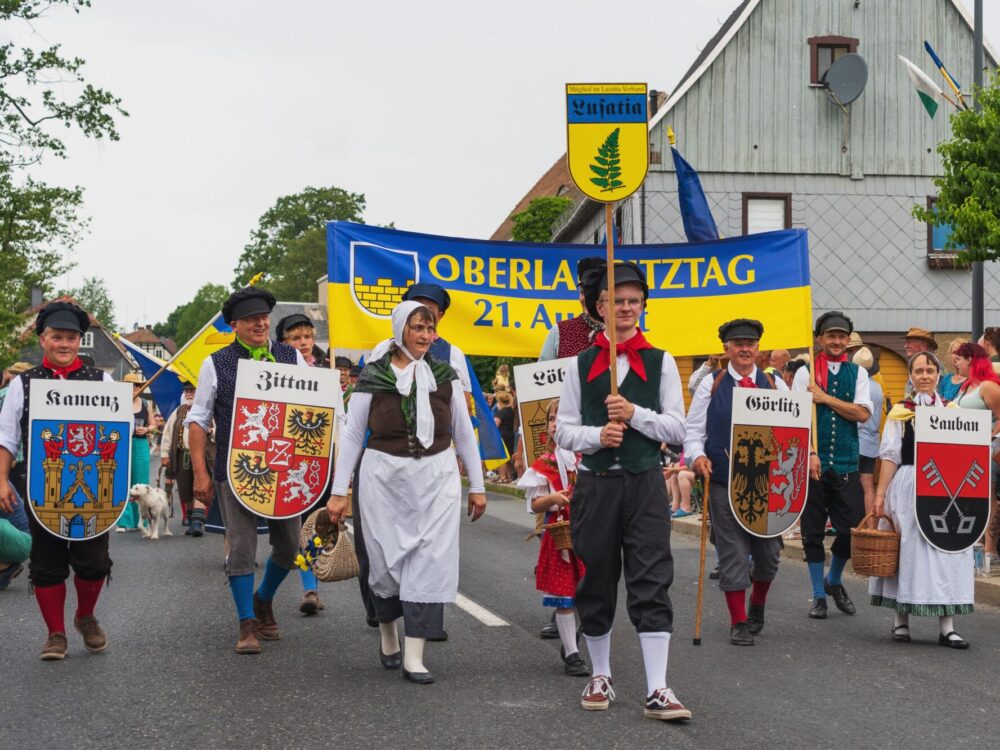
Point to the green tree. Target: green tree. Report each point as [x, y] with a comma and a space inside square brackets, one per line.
[196, 313]
[42, 91]
[38, 224]
[275, 246]
[969, 191]
[93, 296]
[168, 328]
[534, 224]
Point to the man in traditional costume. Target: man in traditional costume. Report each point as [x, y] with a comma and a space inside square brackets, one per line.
[248, 311]
[842, 400]
[707, 446]
[620, 505]
[175, 457]
[60, 327]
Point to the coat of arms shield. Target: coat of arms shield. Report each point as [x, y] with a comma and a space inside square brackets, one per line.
[79, 455]
[282, 436]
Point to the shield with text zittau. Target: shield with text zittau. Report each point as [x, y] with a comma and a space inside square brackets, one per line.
[952, 463]
[280, 449]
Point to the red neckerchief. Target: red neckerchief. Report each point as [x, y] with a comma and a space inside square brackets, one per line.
[747, 382]
[546, 466]
[821, 367]
[630, 348]
[62, 372]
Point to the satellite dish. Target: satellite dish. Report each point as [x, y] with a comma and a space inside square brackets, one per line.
[846, 78]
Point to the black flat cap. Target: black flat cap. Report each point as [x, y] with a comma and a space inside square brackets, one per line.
[339, 362]
[741, 328]
[433, 292]
[584, 266]
[290, 321]
[355, 371]
[596, 281]
[62, 315]
[251, 300]
[833, 321]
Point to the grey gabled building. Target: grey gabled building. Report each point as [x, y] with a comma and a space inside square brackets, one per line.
[774, 151]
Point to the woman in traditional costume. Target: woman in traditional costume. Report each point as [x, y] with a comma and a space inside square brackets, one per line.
[929, 582]
[139, 470]
[414, 407]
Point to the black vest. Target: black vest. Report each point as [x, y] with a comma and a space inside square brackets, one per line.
[637, 453]
[226, 360]
[41, 373]
[719, 420]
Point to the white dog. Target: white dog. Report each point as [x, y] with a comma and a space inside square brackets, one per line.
[153, 508]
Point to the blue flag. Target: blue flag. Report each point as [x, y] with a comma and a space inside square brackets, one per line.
[698, 222]
[491, 447]
[167, 388]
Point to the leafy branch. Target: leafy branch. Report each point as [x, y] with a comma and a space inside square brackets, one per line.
[608, 164]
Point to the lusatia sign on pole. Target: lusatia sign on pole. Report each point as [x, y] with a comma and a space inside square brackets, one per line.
[79, 455]
[952, 459]
[282, 436]
[769, 459]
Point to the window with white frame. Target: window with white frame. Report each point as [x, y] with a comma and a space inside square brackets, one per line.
[87, 340]
[766, 212]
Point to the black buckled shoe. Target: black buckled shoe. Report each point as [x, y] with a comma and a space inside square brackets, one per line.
[898, 635]
[550, 631]
[755, 618]
[740, 634]
[574, 663]
[818, 611]
[956, 642]
[840, 597]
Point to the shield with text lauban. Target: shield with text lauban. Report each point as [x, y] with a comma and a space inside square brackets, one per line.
[952, 462]
[281, 436]
[79, 455]
[607, 138]
[769, 459]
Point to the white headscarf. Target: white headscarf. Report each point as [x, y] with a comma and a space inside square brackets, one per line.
[417, 371]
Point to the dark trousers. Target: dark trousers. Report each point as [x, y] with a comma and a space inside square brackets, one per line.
[367, 597]
[420, 619]
[51, 557]
[743, 557]
[840, 498]
[623, 520]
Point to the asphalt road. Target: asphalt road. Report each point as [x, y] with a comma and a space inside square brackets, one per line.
[170, 678]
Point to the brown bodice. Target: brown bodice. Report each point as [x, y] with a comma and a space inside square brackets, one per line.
[388, 427]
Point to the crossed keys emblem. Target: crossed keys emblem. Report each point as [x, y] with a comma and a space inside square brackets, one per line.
[933, 475]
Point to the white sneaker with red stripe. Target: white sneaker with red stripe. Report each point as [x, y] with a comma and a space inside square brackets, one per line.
[663, 705]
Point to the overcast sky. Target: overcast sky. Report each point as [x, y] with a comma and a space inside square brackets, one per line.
[442, 113]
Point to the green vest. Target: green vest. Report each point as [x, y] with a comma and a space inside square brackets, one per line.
[637, 453]
[836, 437]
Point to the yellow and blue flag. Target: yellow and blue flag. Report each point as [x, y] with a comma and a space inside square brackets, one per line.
[214, 335]
[491, 448]
[167, 388]
[505, 296]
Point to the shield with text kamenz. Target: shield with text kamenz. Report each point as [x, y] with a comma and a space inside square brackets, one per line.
[78, 468]
[952, 463]
[280, 450]
[769, 459]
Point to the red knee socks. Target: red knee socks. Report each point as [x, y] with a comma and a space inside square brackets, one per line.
[52, 602]
[758, 594]
[86, 595]
[737, 603]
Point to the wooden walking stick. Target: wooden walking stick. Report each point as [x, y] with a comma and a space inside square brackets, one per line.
[701, 565]
[609, 318]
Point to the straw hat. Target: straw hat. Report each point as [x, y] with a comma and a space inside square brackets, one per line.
[855, 341]
[133, 377]
[923, 335]
[18, 367]
[863, 358]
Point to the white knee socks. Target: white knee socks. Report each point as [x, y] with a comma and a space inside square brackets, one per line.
[599, 648]
[413, 654]
[390, 638]
[947, 624]
[655, 652]
[902, 620]
[567, 632]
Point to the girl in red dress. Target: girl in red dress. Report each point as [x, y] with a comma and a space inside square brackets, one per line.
[548, 486]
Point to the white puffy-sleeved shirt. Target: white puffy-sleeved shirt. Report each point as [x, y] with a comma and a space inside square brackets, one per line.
[862, 392]
[666, 426]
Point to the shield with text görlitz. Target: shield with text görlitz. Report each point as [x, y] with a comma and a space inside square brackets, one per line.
[952, 462]
[607, 138]
[538, 383]
[769, 459]
[79, 455]
[281, 436]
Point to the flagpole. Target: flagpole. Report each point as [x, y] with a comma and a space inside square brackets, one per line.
[609, 318]
[184, 348]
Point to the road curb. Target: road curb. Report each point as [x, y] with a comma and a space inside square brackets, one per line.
[987, 588]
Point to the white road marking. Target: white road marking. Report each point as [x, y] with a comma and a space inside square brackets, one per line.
[479, 612]
[466, 604]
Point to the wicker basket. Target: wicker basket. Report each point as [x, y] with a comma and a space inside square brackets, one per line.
[560, 534]
[337, 561]
[875, 552]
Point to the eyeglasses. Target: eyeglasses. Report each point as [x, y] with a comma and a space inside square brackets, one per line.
[631, 302]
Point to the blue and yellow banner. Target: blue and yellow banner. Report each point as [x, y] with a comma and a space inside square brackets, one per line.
[506, 295]
[214, 335]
